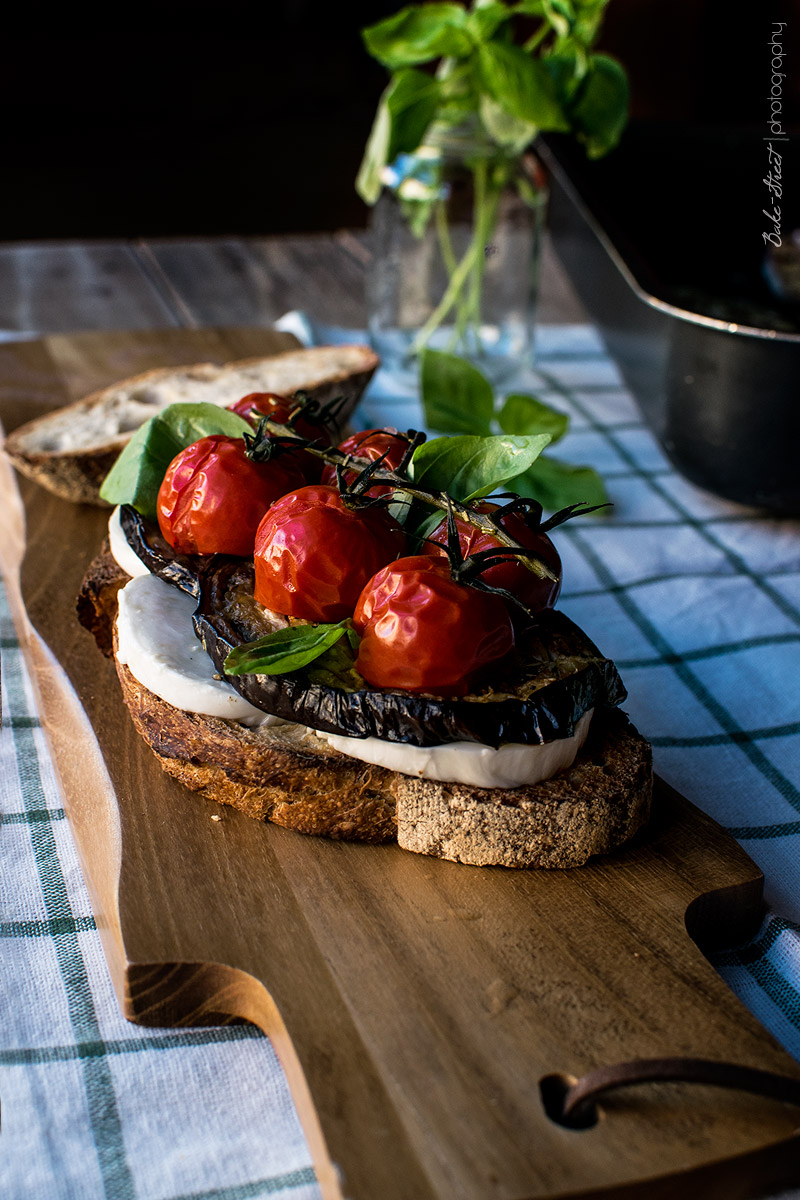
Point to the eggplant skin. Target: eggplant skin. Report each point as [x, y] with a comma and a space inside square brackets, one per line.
[530, 705]
[146, 540]
[559, 673]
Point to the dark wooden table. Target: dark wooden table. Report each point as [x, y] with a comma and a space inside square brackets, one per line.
[59, 287]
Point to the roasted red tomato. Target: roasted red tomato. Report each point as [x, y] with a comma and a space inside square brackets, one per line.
[213, 497]
[371, 444]
[423, 632]
[280, 408]
[313, 554]
[511, 574]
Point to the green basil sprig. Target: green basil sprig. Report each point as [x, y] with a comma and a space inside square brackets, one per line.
[140, 469]
[468, 468]
[550, 82]
[290, 649]
[336, 667]
[458, 399]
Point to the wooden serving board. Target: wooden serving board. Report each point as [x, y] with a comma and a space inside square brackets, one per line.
[415, 1004]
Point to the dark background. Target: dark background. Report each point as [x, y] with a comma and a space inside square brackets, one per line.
[200, 119]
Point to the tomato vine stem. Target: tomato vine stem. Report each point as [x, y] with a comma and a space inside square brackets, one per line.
[380, 475]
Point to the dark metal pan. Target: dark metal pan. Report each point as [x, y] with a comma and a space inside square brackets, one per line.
[662, 241]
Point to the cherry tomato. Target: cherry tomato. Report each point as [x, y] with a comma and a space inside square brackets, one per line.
[313, 554]
[423, 632]
[511, 574]
[213, 497]
[371, 444]
[280, 408]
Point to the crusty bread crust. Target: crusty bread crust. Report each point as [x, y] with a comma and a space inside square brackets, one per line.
[283, 773]
[286, 774]
[96, 604]
[593, 807]
[70, 451]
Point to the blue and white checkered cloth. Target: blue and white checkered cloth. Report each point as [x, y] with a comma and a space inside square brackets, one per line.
[698, 602]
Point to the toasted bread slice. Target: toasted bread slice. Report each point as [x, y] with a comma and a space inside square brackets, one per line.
[591, 808]
[288, 775]
[70, 451]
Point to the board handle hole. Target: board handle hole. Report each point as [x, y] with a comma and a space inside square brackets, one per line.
[571, 1102]
[554, 1090]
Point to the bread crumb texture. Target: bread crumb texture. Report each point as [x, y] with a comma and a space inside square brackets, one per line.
[286, 775]
[595, 806]
[282, 774]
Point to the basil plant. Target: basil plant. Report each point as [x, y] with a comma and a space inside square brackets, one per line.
[490, 77]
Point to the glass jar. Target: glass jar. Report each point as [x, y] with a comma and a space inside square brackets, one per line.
[455, 239]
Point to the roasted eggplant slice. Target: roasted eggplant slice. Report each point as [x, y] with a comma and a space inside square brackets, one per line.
[557, 676]
[145, 539]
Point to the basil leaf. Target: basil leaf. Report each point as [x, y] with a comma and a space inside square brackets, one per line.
[567, 72]
[555, 484]
[471, 467]
[284, 650]
[521, 85]
[456, 397]
[588, 19]
[459, 91]
[560, 14]
[337, 666]
[601, 110]
[376, 153]
[509, 132]
[530, 8]
[525, 414]
[486, 18]
[140, 469]
[412, 100]
[419, 33]
[405, 110]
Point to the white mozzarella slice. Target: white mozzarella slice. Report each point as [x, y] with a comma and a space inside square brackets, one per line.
[470, 763]
[123, 555]
[158, 645]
